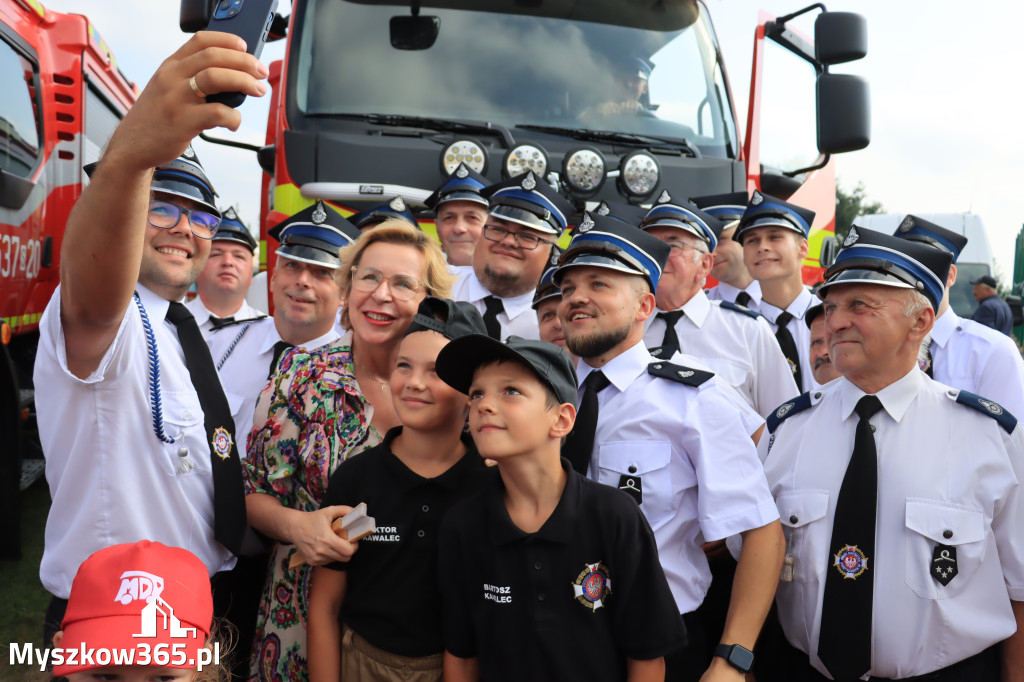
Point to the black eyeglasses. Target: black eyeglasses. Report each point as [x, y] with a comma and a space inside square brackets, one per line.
[165, 215]
[524, 240]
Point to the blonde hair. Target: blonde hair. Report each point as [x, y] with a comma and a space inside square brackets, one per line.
[438, 278]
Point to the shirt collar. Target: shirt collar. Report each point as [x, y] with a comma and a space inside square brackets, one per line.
[623, 369]
[561, 526]
[273, 336]
[156, 306]
[697, 308]
[944, 326]
[199, 311]
[804, 300]
[895, 398]
[514, 306]
[451, 480]
[729, 292]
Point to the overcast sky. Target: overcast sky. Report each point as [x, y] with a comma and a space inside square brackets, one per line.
[946, 113]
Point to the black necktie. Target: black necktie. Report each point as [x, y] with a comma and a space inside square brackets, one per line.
[788, 345]
[579, 447]
[844, 642]
[228, 495]
[218, 322]
[279, 348]
[494, 306]
[670, 344]
[743, 298]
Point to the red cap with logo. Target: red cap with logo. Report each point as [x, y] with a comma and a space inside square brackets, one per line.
[136, 597]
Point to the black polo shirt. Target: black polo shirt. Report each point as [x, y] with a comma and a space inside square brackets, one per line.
[537, 606]
[392, 598]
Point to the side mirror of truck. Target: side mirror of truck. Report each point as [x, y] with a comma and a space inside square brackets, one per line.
[414, 33]
[844, 113]
[14, 190]
[840, 37]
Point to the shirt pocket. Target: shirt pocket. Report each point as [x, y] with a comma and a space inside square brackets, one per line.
[649, 462]
[183, 421]
[803, 514]
[931, 523]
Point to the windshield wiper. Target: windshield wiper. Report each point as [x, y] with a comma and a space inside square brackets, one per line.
[445, 125]
[616, 137]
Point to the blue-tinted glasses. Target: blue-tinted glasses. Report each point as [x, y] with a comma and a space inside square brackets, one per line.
[165, 215]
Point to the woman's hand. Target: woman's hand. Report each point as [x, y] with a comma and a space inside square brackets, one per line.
[311, 533]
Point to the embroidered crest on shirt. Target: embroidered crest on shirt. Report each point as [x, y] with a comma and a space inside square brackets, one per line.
[850, 561]
[592, 586]
[221, 442]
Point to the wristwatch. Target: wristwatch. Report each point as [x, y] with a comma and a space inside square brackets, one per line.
[738, 657]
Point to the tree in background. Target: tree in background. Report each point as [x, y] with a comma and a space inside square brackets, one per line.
[849, 206]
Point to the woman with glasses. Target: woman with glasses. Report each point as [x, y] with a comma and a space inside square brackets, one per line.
[320, 408]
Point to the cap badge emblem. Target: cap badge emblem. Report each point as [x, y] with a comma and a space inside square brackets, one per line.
[189, 153]
[907, 225]
[555, 254]
[603, 209]
[586, 224]
[319, 214]
[529, 182]
[592, 586]
[757, 199]
[852, 237]
[665, 197]
[230, 214]
[397, 204]
[461, 171]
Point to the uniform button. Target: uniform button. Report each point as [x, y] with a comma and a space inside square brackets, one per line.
[420, 533]
[872, 427]
[952, 393]
[947, 533]
[187, 415]
[817, 395]
[793, 519]
[537, 566]
[632, 468]
[426, 507]
[541, 597]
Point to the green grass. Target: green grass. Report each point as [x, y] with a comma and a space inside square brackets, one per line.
[23, 600]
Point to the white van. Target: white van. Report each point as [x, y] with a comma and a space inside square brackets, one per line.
[974, 261]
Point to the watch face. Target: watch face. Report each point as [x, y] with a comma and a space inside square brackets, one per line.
[740, 658]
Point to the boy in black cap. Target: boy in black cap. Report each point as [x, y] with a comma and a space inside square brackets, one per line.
[544, 574]
[387, 596]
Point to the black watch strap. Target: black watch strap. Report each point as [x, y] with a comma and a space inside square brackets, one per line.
[737, 656]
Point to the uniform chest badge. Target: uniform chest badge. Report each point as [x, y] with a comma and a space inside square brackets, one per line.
[592, 586]
[850, 561]
[222, 442]
[944, 567]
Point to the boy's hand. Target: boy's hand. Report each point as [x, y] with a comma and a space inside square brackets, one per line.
[314, 538]
[169, 113]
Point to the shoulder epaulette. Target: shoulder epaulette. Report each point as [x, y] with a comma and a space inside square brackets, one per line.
[234, 323]
[789, 408]
[736, 307]
[987, 407]
[679, 373]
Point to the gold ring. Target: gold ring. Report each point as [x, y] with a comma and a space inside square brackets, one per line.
[195, 88]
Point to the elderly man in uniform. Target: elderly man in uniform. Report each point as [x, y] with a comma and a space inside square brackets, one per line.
[734, 281]
[992, 311]
[734, 341]
[134, 424]
[821, 363]
[773, 234]
[461, 211]
[963, 353]
[222, 285]
[901, 497]
[668, 435]
[526, 218]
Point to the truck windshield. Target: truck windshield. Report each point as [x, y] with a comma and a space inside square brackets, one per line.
[645, 71]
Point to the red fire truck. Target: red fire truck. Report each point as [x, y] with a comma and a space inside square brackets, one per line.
[375, 99]
[63, 95]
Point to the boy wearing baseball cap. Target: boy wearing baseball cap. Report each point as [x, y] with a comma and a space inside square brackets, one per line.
[544, 573]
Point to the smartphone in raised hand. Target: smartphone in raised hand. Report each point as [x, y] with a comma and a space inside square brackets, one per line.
[248, 19]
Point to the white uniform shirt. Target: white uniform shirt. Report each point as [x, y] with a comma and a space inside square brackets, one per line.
[518, 318]
[202, 315]
[801, 334]
[244, 363]
[741, 350]
[727, 292]
[111, 480]
[698, 469]
[941, 467]
[976, 358]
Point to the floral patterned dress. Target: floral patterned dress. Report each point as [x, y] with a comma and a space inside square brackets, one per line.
[310, 417]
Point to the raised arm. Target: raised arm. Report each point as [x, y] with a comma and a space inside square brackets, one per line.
[105, 233]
